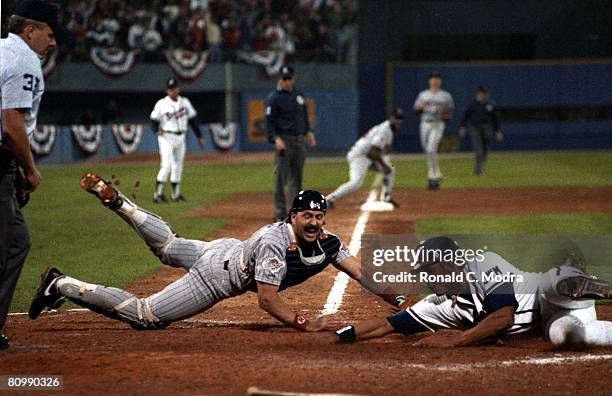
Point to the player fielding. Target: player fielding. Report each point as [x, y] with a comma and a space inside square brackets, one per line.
[275, 257]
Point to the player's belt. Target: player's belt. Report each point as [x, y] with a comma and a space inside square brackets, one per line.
[175, 132]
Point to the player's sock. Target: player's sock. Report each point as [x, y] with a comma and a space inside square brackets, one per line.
[159, 189]
[176, 190]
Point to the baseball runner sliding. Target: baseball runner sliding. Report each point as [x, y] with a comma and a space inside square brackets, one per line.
[491, 298]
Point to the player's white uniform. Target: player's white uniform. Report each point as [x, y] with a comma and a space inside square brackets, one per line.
[173, 117]
[432, 125]
[561, 318]
[22, 80]
[380, 136]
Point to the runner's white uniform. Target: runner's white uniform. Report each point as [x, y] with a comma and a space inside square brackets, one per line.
[540, 307]
[380, 136]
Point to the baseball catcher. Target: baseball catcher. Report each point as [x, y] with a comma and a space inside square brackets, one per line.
[275, 257]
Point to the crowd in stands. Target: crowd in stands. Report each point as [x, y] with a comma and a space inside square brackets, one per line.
[308, 30]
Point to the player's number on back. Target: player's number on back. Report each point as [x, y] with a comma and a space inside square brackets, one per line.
[31, 82]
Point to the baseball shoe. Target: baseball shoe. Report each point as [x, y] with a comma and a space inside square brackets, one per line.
[95, 185]
[573, 260]
[180, 198]
[433, 184]
[4, 342]
[46, 296]
[585, 287]
[158, 199]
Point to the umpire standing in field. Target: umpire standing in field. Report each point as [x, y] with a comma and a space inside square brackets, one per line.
[32, 31]
[481, 116]
[287, 125]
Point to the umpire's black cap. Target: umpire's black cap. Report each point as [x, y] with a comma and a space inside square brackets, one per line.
[42, 11]
[171, 83]
[309, 200]
[431, 246]
[398, 113]
[286, 72]
[435, 74]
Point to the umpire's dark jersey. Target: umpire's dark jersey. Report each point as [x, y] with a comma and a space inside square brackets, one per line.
[286, 114]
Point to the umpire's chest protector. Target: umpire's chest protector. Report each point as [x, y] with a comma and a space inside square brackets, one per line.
[304, 262]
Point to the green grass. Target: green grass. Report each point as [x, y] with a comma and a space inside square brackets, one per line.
[71, 230]
[533, 242]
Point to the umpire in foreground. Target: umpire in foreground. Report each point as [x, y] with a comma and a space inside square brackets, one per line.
[287, 126]
[481, 115]
[32, 30]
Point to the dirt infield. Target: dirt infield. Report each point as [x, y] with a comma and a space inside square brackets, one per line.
[236, 345]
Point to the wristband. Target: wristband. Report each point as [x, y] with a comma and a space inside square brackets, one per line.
[399, 300]
[347, 335]
[300, 322]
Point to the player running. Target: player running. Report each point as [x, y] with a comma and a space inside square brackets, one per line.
[435, 106]
[275, 257]
[484, 304]
[170, 118]
[371, 150]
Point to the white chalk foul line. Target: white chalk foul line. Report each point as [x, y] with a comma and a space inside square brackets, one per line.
[336, 294]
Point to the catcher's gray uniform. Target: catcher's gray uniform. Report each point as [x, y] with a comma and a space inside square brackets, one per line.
[216, 270]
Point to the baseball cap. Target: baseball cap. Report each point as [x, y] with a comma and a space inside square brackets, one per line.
[309, 200]
[42, 11]
[171, 83]
[435, 74]
[482, 88]
[398, 113]
[286, 72]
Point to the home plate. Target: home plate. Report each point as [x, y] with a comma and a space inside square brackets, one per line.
[377, 206]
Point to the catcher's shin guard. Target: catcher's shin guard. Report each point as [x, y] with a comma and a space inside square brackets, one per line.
[111, 302]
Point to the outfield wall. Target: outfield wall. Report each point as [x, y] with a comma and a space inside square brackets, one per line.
[543, 106]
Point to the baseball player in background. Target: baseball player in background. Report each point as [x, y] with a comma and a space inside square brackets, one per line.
[32, 30]
[372, 150]
[481, 117]
[435, 106]
[558, 304]
[275, 257]
[170, 118]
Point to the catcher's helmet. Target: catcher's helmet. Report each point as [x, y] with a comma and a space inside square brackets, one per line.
[432, 250]
[309, 200]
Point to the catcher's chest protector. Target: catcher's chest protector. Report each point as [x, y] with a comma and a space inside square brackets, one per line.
[304, 262]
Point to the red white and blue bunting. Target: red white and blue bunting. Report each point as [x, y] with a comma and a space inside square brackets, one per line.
[89, 138]
[187, 65]
[270, 61]
[43, 139]
[112, 61]
[223, 137]
[49, 63]
[127, 136]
